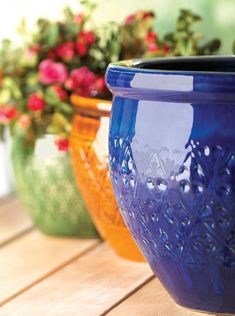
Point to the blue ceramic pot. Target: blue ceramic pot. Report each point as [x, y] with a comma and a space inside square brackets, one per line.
[172, 161]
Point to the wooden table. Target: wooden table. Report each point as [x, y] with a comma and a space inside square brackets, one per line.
[48, 276]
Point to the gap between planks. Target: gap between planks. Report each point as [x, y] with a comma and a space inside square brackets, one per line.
[14, 220]
[152, 300]
[17, 236]
[88, 286]
[127, 296]
[33, 257]
[46, 275]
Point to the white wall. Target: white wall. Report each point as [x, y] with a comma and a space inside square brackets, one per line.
[5, 171]
[218, 15]
[11, 11]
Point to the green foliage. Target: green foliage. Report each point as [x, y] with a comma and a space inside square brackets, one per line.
[184, 41]
[1, 132]
[75, 43]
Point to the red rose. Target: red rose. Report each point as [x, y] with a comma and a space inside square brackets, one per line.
[62, 143]
[82, 48]
[33, 50]
[89, 37]
[148, 14]
[35, 102]
[52, 72]
[60, 92]
[100, 84]
[151, 37]
[66, 51]
[166, 48]
[7, 114]
[82, 81]
[84, 40]
[52, 54]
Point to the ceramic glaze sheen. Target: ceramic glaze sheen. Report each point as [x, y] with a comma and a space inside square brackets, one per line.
[172, 162]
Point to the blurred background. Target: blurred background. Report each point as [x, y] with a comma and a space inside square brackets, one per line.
[218, 16]
[218, 21]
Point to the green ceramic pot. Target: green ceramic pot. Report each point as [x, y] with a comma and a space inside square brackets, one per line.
[47, 188]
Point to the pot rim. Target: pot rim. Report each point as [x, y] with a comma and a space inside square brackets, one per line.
[93, 107]
[178, 79]
[162, 64]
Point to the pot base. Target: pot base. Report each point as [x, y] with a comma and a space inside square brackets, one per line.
[203, 311]
[71, 233]
[117, 237]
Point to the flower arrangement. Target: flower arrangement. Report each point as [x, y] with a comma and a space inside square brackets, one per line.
[71, 56]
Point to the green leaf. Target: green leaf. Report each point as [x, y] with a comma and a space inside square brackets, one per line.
[233, 47]
[66, 108]
[51, 97]
[52, 34]
[60, 123]
[68, 13]
[2, 132]
[210, 47]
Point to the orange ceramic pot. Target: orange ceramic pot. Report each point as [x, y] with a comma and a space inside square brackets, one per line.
[89, 149]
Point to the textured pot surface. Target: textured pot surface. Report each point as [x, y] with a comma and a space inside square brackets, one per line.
[48, 190]
[89, 148]
[172, 159]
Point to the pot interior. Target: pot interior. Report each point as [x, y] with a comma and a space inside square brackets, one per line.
[217, 64]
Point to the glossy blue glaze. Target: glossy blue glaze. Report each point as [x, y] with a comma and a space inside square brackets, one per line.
[172, 164]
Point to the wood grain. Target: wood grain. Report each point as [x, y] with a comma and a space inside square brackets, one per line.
[87, 287]
[152, 300]
[32, 257]
[13, 219]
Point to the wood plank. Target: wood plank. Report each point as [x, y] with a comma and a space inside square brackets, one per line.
[152, 300]
[13, 220]
[34, 256]
[88, 286]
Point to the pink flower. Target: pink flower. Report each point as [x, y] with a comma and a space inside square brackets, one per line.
[62, 143]
[60, 92]
[130, 19]
[7, 114]
[52, 72]
[35, 102]
[70, 84]
[79, 18]
[82, 81]
[84, 41]
[153, 48]
[24, 121]
[66, 50]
